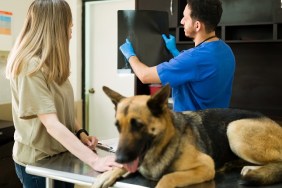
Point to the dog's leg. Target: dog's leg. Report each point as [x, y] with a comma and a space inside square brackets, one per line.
[197, 171]
[108, 178]
[258, 141]
[270, 173]
[247, 169]
[184, 178]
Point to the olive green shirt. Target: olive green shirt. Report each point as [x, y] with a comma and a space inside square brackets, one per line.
[32, 95]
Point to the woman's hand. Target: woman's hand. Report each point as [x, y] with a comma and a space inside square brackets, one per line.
[90, 141]
[106, 163]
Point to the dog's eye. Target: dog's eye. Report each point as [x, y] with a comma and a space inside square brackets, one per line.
[118, 126]
[135, 125]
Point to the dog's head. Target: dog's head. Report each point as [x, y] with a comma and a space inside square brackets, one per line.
[140, 120]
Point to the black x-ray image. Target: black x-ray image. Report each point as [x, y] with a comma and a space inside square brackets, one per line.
[144, 28]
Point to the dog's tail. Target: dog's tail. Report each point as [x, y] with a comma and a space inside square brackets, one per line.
[264, 175]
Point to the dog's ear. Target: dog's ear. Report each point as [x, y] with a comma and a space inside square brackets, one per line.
[113, 95]
[159, 100]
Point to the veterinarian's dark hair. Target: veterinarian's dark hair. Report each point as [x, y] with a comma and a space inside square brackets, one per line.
[207, 11]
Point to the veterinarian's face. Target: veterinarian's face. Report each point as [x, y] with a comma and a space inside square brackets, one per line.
[188, 23]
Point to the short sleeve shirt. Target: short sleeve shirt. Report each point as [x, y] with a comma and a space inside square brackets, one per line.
[200, 77]
[32, 95]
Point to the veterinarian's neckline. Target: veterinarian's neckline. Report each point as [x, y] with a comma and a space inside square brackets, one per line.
[205, 40]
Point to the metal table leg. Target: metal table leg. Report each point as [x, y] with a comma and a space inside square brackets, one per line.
[49, 182]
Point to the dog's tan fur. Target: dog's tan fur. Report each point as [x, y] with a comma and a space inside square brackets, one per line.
[259, 149]
[181, 149]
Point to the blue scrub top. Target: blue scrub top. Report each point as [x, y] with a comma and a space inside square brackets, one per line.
[200, 77]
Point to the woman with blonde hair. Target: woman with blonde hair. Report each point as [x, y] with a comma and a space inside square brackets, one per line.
[42, 97]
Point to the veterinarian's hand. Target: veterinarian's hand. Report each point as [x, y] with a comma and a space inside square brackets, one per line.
[106, 163]
[90, 141]
[171, 44]
[127, 49]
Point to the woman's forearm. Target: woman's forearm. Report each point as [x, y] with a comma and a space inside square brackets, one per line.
[68, 139]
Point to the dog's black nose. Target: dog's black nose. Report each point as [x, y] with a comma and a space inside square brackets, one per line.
[125, 157]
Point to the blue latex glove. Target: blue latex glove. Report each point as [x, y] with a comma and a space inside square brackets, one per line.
[127, 49]
[171, 44]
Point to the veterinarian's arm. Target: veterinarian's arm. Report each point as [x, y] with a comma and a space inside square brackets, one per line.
[88, 140]
[72, 144]
[143, 72]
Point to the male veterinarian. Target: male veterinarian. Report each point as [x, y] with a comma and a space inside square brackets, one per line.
[200, 77]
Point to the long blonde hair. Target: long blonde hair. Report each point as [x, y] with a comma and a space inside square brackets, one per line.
[45, 35]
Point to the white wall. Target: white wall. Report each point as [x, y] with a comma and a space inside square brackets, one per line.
[19, 9]
[75, 47]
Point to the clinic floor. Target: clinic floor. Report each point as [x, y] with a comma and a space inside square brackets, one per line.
[226, 180]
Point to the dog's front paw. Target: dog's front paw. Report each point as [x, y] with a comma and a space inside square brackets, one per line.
[104, 180]
[108, 178]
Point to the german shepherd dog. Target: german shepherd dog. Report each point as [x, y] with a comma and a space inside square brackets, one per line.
[181, 149]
